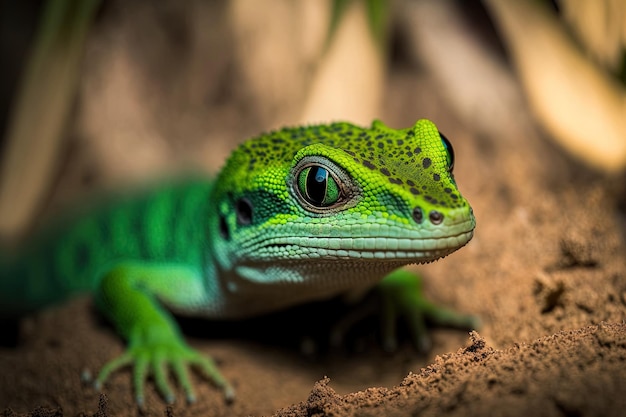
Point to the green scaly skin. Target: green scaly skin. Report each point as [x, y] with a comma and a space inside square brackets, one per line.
[295, 215]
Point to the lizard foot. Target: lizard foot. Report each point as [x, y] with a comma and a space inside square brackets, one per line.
[156, 360]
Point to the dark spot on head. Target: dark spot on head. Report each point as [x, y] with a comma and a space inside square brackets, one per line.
[410, 183]
[447, 190]
[454, 196]
[414, 191]
[426, 162]
[395, 180]
[385, 171]
[243, 209]
[418, 215]
[435, 217]
[436, 177]
[417, 150]
[369, 165]
[380, 145]
[399, 142]
[224, 232]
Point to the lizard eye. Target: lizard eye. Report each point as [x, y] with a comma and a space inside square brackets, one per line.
[318, 186]
[449, 151]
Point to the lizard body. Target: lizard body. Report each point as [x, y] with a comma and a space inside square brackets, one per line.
[295, 215]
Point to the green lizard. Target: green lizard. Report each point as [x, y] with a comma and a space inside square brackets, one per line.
[295, 215]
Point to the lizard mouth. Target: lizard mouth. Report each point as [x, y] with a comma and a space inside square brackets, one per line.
[306, 265]
[316, 249]
[321, 266]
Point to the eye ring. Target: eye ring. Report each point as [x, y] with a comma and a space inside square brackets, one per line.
[339, 192]
[319, 186]
[449, 151]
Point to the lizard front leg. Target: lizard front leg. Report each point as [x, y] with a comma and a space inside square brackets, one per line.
[402, 296]
[130, 295]
[399, 295]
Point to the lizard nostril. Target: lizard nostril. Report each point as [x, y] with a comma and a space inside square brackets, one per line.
[418, 215]
[435, 217]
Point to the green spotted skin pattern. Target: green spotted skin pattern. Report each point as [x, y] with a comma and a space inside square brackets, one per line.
[385, 198]
[295, 215]
[70, 257]
[257, 239]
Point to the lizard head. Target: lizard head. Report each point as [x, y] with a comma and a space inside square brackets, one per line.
[337, 203]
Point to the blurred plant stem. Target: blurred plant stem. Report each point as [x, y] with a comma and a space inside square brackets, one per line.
[36, 124]
[377, 12]
[349, 81]
[579, 104]
[600, 26]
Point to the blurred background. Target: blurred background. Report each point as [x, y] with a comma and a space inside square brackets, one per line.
[97, 93]
[101, 95]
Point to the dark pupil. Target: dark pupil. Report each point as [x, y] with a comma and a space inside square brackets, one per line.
[316, 184]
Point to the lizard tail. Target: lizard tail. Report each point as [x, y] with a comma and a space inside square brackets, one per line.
[27, 284]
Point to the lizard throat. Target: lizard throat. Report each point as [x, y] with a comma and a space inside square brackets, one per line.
[275, 278]
[264, 288]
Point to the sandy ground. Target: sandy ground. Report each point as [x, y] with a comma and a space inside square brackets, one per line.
[545, 272]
